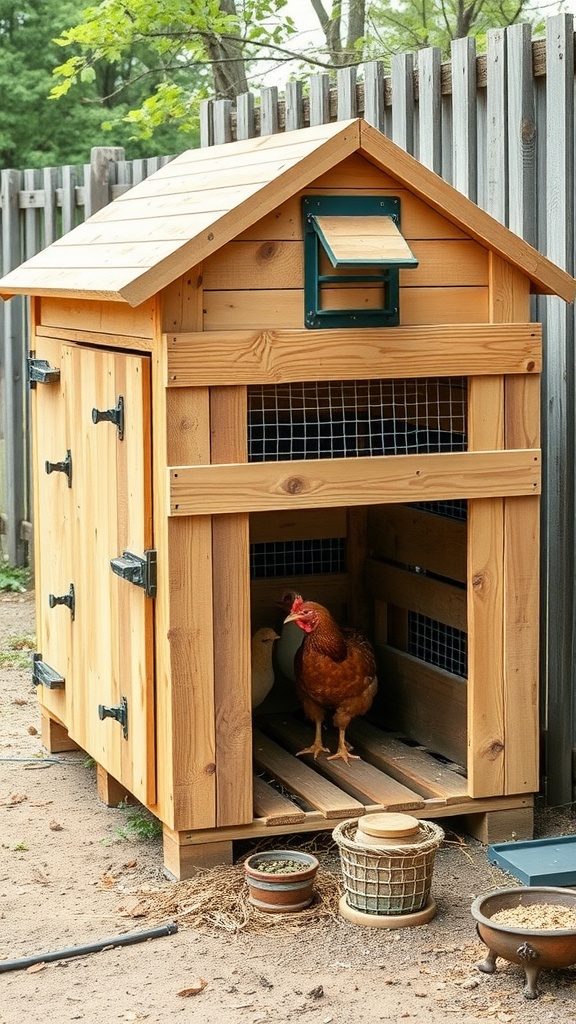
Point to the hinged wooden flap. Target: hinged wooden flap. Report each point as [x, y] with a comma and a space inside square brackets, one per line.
[363, 240]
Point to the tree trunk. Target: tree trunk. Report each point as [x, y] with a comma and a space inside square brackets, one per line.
[228, 65]
[331, 25]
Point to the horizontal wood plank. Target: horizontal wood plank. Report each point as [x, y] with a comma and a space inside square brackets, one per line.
[415, 537]
[314, 524]
[267, 486]
[280, 356]
[426, 703]
[274, 308]
[359, 778]
[413, 766]
[303, 781]
[274, 807]
[416, 592]
[279, 263]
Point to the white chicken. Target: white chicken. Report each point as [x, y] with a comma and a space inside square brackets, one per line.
[290, 640]
[262, 667]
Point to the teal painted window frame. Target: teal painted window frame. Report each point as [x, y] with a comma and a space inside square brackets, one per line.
[388, 314]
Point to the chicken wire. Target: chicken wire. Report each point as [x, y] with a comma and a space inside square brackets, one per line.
[272, 559]
[353, 419]
[437, 644]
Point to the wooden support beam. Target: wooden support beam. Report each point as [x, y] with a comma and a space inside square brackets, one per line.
[272, 357]
[325, 483]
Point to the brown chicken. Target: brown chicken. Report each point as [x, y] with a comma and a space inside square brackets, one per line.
[335, 670]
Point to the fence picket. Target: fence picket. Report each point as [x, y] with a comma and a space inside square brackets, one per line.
[403, 100]
[464, 142]
[430, 108]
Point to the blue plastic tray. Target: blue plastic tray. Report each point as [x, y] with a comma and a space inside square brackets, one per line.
[538, 861]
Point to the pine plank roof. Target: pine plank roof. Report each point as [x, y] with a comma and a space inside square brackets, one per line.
[160, 228]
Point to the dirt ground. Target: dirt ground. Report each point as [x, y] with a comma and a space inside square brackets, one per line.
[73, 872]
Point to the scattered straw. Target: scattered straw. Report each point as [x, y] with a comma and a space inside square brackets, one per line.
[218, 899]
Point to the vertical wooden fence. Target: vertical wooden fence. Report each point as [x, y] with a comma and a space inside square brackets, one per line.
[499, 126]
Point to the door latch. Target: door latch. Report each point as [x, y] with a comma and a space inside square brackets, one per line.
[115, 415]
[67, 599]
[61, 467]
[119, 714]
[40, 372]
[44, 675]
[139, 571]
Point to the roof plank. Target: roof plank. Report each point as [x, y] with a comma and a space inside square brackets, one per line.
[195, 204]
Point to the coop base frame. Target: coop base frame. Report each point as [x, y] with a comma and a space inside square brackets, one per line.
[489, 820]
[398, 774]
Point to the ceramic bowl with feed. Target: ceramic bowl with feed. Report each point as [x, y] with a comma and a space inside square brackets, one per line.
[281, 881]
[532, 927]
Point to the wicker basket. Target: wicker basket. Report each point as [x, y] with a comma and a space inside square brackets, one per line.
[387, 879]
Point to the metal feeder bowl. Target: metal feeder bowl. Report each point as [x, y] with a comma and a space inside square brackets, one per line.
[533, 950]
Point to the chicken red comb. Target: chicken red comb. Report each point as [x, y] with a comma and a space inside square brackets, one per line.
[297, 604]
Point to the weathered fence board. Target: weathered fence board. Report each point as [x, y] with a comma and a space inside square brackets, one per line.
[498, 126]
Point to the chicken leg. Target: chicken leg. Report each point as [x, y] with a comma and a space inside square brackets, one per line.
[344, 749]
[317, 747]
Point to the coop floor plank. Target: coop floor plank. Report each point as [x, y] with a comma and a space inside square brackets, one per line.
[359, 779]
[412, 766]
[273, 807]
[303, 781]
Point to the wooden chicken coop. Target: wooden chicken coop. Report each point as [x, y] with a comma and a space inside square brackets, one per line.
[300, 362]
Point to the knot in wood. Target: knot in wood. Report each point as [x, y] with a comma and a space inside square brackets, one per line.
[210, 768]
[293, 485]
[477, 580]
[267, 252]
[495, 749]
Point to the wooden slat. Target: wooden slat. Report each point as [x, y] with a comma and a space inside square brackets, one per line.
[424, 702]
[521, 567]
[278, 356]
[358, 778]
[275, 262]
[416, 592]
[303, 781]
[363, 239]
[415, 537]
[314, 524]
[412, 766]
[275, 808]
[263, 486]
[486, 697]
[231, 597]
[98, 318]
[278, 308]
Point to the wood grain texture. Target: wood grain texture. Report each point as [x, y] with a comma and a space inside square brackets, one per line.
[231, 610]
[272, 357]
[258, 487]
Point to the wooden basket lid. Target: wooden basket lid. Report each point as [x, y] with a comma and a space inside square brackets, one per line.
[389, 825]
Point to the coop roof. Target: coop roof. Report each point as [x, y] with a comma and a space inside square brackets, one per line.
[157, 230]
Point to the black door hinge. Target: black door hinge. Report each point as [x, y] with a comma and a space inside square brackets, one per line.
[61, 467]
[139, 571]
[115, 415]
[69, 600]
[119, 714]
[40, 372]
[44, 675]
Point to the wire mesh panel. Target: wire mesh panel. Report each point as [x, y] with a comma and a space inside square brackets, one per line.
[342, 419]
[438, 644]
[297, 558]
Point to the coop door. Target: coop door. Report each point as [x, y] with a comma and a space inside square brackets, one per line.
[54, 526]
[112, 708]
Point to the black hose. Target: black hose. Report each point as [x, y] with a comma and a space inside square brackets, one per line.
[119, 940]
